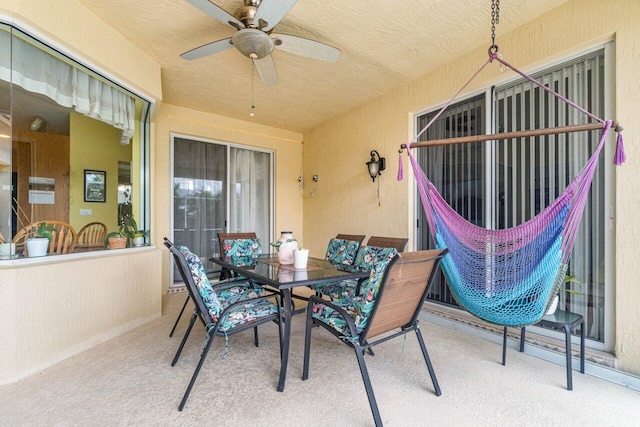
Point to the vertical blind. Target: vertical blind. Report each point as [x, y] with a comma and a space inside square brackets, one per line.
[532, 172]
[457, 171]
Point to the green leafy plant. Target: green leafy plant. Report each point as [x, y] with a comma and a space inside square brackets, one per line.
[121, 233]
[568, 280]
[44, 230]
[133, 230]
[130, 231]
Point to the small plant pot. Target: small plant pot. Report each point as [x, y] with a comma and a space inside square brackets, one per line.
[554, 306]
[37, 246]
[138, 241]
[300, 258]
[117, 242]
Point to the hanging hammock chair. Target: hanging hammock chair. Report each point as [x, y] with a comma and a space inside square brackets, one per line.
[509, 276]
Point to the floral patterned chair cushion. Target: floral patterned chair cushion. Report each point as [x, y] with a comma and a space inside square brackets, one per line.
[241, 248]
[249, 311]
[367, 257]
[358, 307]
[217, 298]
[342, 251]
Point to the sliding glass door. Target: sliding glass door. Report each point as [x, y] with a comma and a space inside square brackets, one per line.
[219, 188]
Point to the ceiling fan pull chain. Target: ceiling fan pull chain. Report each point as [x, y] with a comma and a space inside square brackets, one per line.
[253, 106]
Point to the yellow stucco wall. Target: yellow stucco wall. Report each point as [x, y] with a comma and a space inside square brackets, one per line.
[55, 307]
[287, 146]
[337, 150]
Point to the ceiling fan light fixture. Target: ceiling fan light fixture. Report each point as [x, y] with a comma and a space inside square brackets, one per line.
[251, 41]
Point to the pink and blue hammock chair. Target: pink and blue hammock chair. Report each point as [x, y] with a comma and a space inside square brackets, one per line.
[510, 276]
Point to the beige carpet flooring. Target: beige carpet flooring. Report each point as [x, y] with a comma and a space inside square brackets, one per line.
[128, 381]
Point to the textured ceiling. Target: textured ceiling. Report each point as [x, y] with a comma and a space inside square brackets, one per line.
[384, 44]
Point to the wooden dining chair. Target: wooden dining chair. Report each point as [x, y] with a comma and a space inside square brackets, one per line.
[63, 237]
[399, 243]
[91, 236]
[388, 307]
[222, 311]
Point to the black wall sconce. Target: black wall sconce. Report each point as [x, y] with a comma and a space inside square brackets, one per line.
[376, 166]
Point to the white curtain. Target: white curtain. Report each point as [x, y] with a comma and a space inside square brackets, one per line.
[249, 197]
[38, 71]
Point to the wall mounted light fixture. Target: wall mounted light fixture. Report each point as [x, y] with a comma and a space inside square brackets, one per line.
[313, 186]
[376, 165]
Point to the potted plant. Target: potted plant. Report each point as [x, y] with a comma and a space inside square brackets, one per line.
[300, 257]
[126, 236]
[38, 243]
[568, 279]
[136, 235]
[116, 239]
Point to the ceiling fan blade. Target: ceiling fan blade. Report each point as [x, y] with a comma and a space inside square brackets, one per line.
[266, 70]
[305, 47]
[215, 11]
[272, 11]
[207, 49]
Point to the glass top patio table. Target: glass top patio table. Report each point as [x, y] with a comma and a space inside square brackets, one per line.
[267, 270]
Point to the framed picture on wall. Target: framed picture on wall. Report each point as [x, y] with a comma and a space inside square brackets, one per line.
[95, 186]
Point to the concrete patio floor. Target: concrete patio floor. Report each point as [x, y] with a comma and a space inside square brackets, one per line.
[129, 381]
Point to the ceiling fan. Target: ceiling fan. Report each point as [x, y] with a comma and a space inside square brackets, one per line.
[254, 22]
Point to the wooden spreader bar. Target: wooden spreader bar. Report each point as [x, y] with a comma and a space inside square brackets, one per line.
[510, 135]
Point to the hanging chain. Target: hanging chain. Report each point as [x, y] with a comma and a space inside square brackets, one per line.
[253, 105]
[495, 19]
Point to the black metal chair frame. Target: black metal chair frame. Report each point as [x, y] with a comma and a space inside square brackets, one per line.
[202, 313]
[360, 343]
[224, 274]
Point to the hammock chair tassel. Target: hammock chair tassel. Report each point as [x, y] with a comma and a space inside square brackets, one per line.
[620, 157]
[400, 169]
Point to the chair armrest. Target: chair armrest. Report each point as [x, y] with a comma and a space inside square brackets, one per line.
[230, 282]
[340, 310]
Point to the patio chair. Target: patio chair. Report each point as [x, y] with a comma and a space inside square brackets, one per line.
[399, 243]
[229, 291]
[241, 244]
[341, 249]
[391, 298]
[367, 257]
[247, 251]
[223, 314]
[63, 238]
[91, 236]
